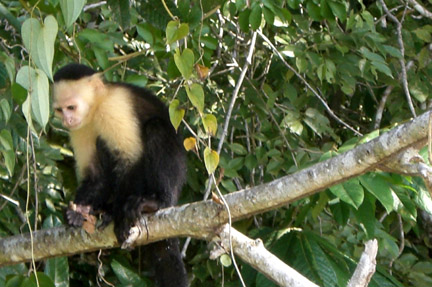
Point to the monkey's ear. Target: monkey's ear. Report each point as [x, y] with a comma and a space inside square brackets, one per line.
[96, 81]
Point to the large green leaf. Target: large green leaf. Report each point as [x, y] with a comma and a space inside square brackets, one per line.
[39, 41]
[195, 94]
[127, 276]
[36, 82]
[58, 270]
[71, 10]
[184, 62]
[176, 113]
[350, 191]
[211, 160]
[376, 185]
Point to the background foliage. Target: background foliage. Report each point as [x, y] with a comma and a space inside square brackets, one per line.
[338, 75]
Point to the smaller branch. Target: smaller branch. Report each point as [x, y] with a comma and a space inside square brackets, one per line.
[402, 50]
[424, 12]
[232, 102]
[366, 266]
[254, 253]
[387, 92]
[324, 103]
[94, 5]
[229, 231]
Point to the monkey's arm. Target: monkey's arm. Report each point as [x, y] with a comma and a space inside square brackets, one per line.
[91, 197]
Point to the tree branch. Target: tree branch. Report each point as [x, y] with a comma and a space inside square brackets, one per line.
[256, 255]
[366, 266]
[202, 219]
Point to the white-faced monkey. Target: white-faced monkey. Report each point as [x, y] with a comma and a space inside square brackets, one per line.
[130, 160]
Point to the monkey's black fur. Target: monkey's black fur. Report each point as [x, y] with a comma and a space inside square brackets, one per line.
[122, 192]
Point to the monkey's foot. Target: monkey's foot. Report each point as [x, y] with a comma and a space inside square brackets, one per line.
[134, 233]
[77, 214]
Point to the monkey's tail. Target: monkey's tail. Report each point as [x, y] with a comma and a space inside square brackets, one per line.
[169, 267]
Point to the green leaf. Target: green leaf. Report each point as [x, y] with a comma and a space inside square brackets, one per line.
[42, 279]
[211, 160]
[380, 188]
[184, 62]
[366, 216]
[127, 276]
[268, 15]
[39, 41]
[5, 109]
[176, 114]
[338, 9]
[6, 141]
[325, 10]
[423, 34]
[19, 93]
[196, 95]
[176, 31]
[255, 17]
[210, 124]
[36, 82]
[58, 270]
[371, 56]
[314, 11]
[238, 149]
[71, 10]
[392, 51]
[350, 192]
[243, 20]
[97, 39]
[383, 68]
[7, 150]
[225, 259]
[423, 57]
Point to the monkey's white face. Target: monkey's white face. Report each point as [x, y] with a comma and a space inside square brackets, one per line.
[73, 113]
[72, 103]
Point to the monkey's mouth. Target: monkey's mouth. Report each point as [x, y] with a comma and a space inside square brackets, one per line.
[73, 126]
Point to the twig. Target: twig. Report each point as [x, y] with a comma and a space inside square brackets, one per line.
[402, 50]
[331, 113]
[229, 230]
[94, 5]
[402, 241]
[420, 9]
[232, 102]
[366, 266]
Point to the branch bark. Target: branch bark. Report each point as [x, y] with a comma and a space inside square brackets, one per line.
[202, 219]
[366, 266]
[256, 255]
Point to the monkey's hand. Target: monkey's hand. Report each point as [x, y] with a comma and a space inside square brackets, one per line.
[77, 213]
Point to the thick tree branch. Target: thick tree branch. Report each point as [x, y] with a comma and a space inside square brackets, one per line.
[366, 266]
[202, 219]
[256, 255]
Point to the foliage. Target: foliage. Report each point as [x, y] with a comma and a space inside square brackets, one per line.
[336, 74]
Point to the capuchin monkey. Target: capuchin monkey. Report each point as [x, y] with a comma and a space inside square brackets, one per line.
[129, 158]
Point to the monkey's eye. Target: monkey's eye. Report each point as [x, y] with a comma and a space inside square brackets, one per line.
[58, 110]
[71, 108]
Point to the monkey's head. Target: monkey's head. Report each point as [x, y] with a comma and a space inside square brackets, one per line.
[76, 88]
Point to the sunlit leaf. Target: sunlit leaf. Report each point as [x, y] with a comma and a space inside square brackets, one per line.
[36, 82]
[71, 10]
[176, 114]
[210, 124]
[189, 143]
[350, 191]
[226, 261]
[196, 95]
[184, 62]
[255, 17]
[39, 41]
[211, 160]
[176, 31]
